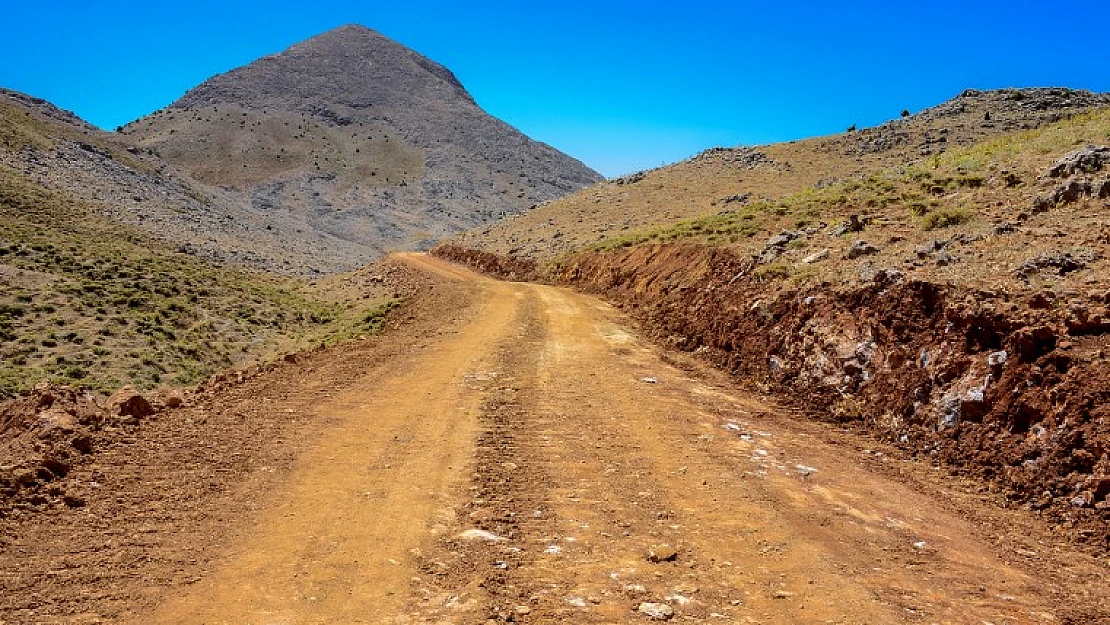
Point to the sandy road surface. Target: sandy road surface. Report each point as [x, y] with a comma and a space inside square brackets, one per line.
[574, 448]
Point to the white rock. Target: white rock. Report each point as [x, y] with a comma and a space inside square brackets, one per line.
[477, 534]
[656, 611]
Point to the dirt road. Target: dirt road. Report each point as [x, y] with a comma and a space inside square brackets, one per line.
[523, 462]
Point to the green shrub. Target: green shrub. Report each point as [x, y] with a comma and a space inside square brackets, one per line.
[945, 218]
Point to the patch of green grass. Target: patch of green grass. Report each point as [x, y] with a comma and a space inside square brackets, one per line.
[945, 218]
[772, 273]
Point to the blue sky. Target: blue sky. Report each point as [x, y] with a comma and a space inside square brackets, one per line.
[620, 85]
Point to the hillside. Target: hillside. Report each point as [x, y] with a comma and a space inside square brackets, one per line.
[954, 302]
[351, 145]
[53, 149]
[89, 301]
[727, 180]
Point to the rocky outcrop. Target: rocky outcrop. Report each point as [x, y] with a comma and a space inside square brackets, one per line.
[1086, 160]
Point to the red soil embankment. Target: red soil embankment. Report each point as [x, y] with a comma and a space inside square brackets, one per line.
[1003, 387]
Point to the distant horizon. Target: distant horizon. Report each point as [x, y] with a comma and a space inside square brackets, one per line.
[622, 87]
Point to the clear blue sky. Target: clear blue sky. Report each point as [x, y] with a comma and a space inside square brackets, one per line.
[620, 85]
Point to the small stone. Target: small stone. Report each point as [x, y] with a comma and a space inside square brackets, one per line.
[852, 224]
[861, 248]
[477, 534]
[73, 501]
[1083, 500]
[782, 238]
[815, 257]
[782, 594]
[522, 610]
[662, 553]
[656, 611]
[173, 399]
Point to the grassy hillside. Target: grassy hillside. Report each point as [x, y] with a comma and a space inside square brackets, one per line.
[976, 201]
[87, 301]
[746, 179]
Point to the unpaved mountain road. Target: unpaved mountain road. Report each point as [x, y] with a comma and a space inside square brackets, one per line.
[532, 414]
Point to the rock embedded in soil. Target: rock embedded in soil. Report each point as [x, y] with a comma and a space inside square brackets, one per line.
[662, 553]
[1088, 160]
[816, 257]
[852, 224]
[128, 402]
[656, 611]
[477, 534]
[861, 248]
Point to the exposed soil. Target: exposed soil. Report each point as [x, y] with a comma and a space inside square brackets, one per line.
[1005, 388]
[520, 457]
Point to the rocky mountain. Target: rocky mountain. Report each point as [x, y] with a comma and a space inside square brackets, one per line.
[352, 144]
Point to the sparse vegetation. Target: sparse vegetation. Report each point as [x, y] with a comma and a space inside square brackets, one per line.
[945, 218]
[110, 307]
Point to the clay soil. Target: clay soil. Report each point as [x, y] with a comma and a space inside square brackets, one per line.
[513, 452]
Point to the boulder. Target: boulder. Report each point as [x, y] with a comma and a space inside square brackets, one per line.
[128, 402]
[1085, 160]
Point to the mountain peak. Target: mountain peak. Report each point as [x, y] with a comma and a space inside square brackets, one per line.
[351, 65]
[357, 138]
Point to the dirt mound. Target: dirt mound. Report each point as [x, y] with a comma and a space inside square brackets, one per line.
[506, 267]
[47, 433]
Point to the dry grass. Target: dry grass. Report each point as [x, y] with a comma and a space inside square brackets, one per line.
[90, 302]
[960, 196]
[230, 145]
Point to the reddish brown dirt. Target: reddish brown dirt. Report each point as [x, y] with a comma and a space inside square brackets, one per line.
[909, 361]
[341, 489]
